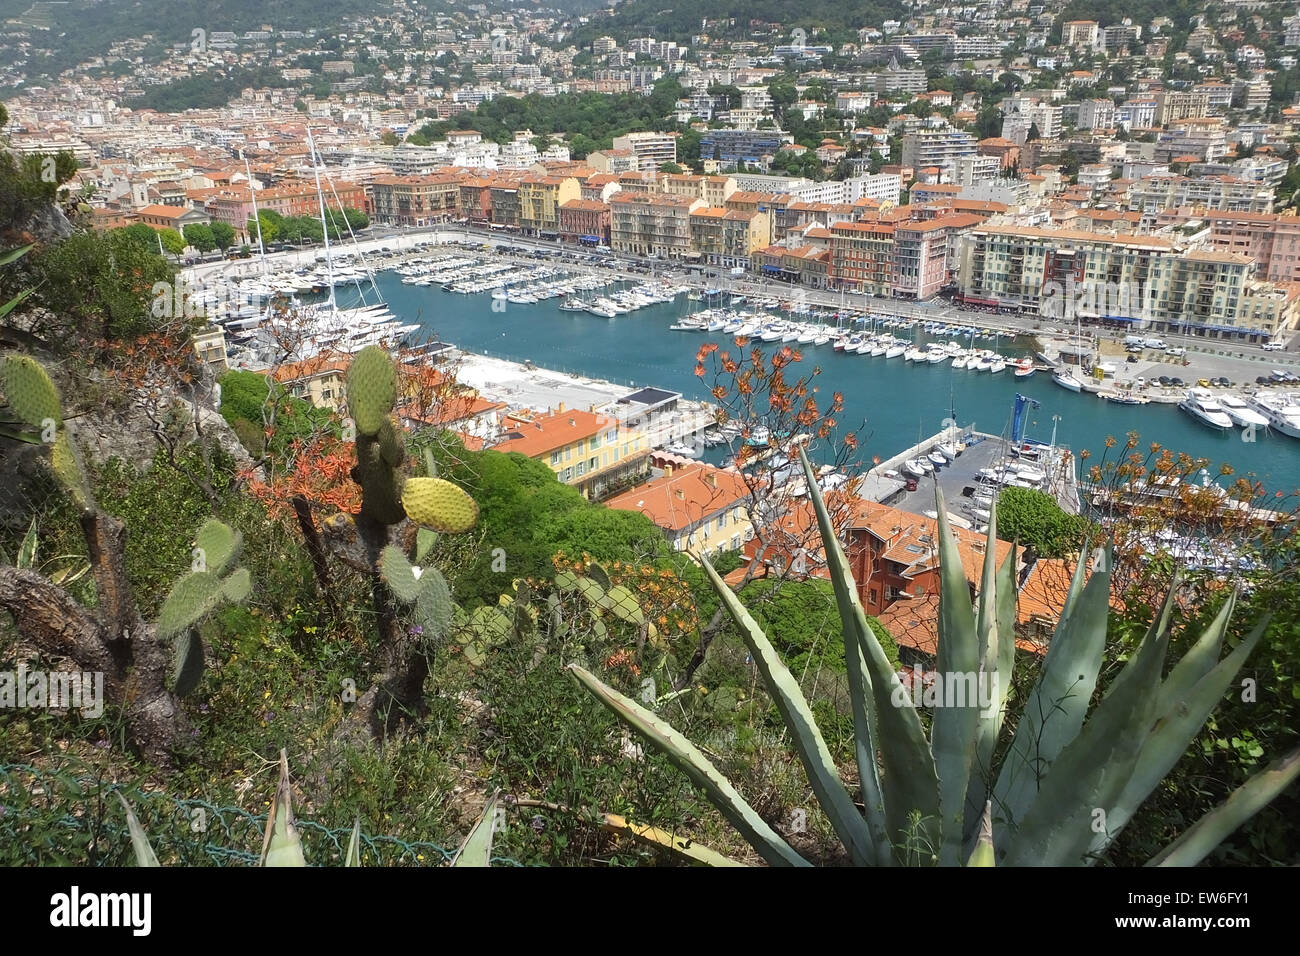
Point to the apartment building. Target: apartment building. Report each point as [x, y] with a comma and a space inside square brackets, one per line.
[172, 217]
[540, 199]
[614, 161]
[652, 149]
[731, 146]
[862, 257]
[415, 200]
[585, 221]
[1175, 105]
[1097, 114]
[651, 224]
[1207, 142]
[1081, 34]
[1155, 194]
[701, 509]
[1271, 241]
[586, 450]
[1145, 280]
[937, 147]
[921, 255]
[727, 237]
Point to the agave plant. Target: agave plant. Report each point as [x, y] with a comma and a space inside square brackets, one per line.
[1069, 780]
[282, 843]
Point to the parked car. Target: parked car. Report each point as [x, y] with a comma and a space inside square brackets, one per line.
[1272, 346]
[1165, 380]
[1178, 351]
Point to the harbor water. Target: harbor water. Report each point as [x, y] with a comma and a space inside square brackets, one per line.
[895, 401]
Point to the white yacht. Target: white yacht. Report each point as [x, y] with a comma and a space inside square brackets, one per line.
[1201, 405]
[1241, 414]
[1282, 412]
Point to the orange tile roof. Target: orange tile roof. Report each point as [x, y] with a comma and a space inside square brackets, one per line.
[684, 498]
[549, 432]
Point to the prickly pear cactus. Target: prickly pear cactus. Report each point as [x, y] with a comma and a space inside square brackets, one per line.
[198, 594]
[424, 588]
[34, 398]
[372, 389]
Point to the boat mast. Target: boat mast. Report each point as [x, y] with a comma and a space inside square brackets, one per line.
[329, 261]
[261, 248]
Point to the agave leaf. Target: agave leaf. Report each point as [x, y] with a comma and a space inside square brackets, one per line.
[144, 854]
[353, 856]
[883, 715]
[14, 302]
[12, 255]
[1056, 707]
[953, 732]
[1178, 719]
[477, 848]
[1090, 773]
[283, 844]
[823, 775]
[1242, 804]
[27, 550]
[681, 846]
[982, 854]
[998, 661]
[688, 759]
[1200, 658]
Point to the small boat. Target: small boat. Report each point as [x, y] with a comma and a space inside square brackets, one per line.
[916, 468]
[894, 351]
[1025, 368]
[1123, 398]
[997, 365]
[947, 449]
[1067, 381]
[938, 458]
[683, 450]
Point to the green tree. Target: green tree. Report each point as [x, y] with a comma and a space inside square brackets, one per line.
[670, 168]
[268, 221]
[172, 241]
[389, 138]
[200, 237]
[1035, 520]
[223, 234]
[88, 287]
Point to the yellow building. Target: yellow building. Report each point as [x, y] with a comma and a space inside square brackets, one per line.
[701, 509]
[540, 199]
[727, 237]
[586, 450]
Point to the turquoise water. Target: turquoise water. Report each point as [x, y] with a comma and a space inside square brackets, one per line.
[893, 399]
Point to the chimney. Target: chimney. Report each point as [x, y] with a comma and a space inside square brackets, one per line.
[573, 423]
[559, 408]
[668, 470]
[681, 495]
[713, 479]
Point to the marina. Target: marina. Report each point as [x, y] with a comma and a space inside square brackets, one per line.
[552, 316]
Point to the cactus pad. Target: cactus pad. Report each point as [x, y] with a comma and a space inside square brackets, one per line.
[66, 468]
[380, 483]
[187, 662]
[193, 598]
[392, 443]
[433, 607]
[400, 576]
[440, 505]
[29, 391]
[219, 545]
[372, 389]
